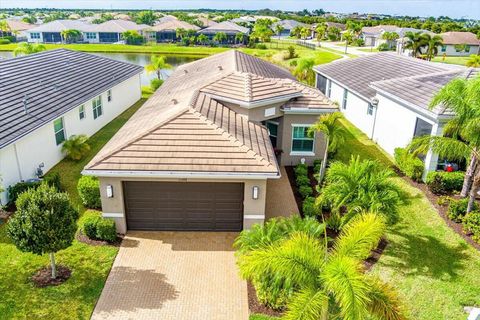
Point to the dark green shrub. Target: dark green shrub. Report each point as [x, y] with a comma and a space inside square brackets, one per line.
[305, 191]
[301, 170]
[309, 208]
[471, 223]
[458, 208]
[15, 190]
[53, 180]
[89, 190]
[261, 46]
[302, 181]
[156, 83]
[4, 41]
[409, 164]
[90, 225]
[442, 182]
[384, 47]
[106, 230]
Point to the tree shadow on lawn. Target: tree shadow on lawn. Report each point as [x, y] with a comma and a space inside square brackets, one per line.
[424, 255]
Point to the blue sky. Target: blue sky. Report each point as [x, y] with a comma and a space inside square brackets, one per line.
[452, 8]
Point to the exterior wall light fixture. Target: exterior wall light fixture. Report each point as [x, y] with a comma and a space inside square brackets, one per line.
[109, 191]
[255, 191]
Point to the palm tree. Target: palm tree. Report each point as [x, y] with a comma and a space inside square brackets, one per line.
[26, 48]
[202, 39]
[180, 33]
[278, 30]
[220, 37]
[348, 37]
[305, 32]
[360, 186]
[4, 28]
[391, 37]
[473, 61]
[432, 43]
[157, 64]
[70, 35]
[76, 147]
[461, 138]
[334, 133]
[323, 283]
[239, 37]
[415, 42]
[321, 30]
[304, 70]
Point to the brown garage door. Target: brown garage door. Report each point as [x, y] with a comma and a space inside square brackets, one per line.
[183, 206]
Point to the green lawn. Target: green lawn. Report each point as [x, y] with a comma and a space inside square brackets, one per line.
[261, 317]
[70, 170]
[435, 271]
[452, 60]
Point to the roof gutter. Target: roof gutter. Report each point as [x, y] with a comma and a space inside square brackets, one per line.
[308, 111]
[181, 174]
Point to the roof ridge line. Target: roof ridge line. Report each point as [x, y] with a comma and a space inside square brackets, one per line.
[417, 76]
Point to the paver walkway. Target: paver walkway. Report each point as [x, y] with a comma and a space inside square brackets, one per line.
[174, 275]
[280, 199]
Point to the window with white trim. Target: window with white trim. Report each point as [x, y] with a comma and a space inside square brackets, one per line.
[329, 88]
[344, 101]
[35, 35]
[109, 95]
[302, 142]
[90, 35]
[81, 112]
[97, 107]
[59, 130]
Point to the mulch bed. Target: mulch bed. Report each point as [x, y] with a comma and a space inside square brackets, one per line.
[293, 185]
[256, 307]
[83, 238]
[442, 210]
[43, 278]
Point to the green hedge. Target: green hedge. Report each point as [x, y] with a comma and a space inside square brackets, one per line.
[89, 190]
[458, 208]
[15, 190]
[443, 182]
[471, 223]
[98, 228]
[409, 164]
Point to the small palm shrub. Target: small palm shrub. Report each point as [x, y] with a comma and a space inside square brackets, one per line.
[76, 147]
[471, 223]
[88, 188]
[309, 207]
[305, 191]
[360, 186]
[409, 164]
[458, 208]
[443, 182]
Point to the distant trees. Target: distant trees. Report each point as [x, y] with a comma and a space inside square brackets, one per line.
[390, 37]
[146, 17]
[70, 35]
[239, 37]
[262, 30]
[132, 37]
[220, 37]
[333, 33]
[423, 43]
[202, 39]
[321, 31]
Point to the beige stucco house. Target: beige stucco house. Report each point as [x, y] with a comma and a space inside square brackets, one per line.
[198, 154]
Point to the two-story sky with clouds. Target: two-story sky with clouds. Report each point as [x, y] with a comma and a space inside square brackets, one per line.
[451, 8]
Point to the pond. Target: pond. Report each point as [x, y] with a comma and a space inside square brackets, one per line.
[142, 59]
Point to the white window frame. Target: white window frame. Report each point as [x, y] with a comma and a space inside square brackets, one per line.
[91, 35]
[109, 95]
[302, 153]
[81, 112]
[63, 129]
[97, 105]
[329, 88]
[35, 35]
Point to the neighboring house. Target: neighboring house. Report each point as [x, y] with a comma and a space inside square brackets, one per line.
[166, 31]
[18, 29]
[288, 26]
[456, 43]
[229, 28]
[373, 35]
[386, 96]
[111, 31]
[47, 97]
[198, 153]
[206, 22]
[50, 32]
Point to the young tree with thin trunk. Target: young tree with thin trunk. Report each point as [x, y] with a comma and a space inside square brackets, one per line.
[157, 64]
[45, 222]
[334, 133]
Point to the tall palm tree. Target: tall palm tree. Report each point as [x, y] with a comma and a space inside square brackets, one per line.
[391, 37]
[202, 39]
[26, 48]
[348, 37]
[461, 138]
[239, 37]
[278, 30]
[70, 35]
[473, 61]
[360, 186]
[323, 283]
[4, 28]
[432, 43]
[220, 37]
[415, 42]
[321, 30]
[334, 133]
[180, 33]
[157, 64]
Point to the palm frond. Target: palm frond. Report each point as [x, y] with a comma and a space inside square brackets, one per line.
[360, 236]
[342, 277]
[260, 236]
[308, 304]
[384, 302]
[444, 146]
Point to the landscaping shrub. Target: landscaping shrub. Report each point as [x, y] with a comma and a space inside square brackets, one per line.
[471, 223]
[261, 46]
[4, 41]
[444, 200]
[309, 209]
[302, 181]
[293, 63]
[305, 191]
[301, 170]
[155, 83]
[442, 182]
[409, 164]
[458, 208]
[89, 190]
[15, 190]
[90, 225]
[106, 230]
[384, 47]
[53, 180]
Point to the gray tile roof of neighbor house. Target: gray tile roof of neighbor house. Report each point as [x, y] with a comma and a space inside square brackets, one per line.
[38, 88]
[61, 25]
[357, 74]
[119, 26]
[227, 27]
[289, 24]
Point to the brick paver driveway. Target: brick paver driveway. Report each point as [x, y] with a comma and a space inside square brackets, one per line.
[174, 275]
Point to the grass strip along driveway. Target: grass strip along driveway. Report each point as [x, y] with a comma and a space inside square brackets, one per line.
[436, 272]
[90, 265]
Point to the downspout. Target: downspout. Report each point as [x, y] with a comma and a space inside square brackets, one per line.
[18, 162]
[375, 105]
